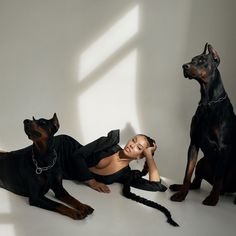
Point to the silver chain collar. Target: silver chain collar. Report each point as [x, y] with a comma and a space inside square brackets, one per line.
[39, 169]
[213, 102]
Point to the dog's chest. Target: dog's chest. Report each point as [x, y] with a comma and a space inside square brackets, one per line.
[46, 180]
[208, 143]
[205, 131]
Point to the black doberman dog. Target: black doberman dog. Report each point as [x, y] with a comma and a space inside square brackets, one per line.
[32, 171]
[213, 130]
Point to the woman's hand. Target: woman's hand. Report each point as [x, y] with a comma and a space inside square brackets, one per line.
[149, 152]
[151, 165]
[100, 187]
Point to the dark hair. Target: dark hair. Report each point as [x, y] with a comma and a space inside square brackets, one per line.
[150, 140]
[135, 175]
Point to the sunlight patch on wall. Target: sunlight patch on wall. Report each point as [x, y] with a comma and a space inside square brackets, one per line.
[109, 42]
[111, 102]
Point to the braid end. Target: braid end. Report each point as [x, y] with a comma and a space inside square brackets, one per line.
[172, 222]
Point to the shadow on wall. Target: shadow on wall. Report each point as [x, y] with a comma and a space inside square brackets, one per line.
[121, 64]
[107, 78]
[217, 31]
[131, 73]
[128, 74]
[166, 101]
[128, 70]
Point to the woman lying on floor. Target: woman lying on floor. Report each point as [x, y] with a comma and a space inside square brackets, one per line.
[104, 162]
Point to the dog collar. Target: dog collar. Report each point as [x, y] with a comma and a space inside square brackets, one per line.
[213, 102]
[39, 169]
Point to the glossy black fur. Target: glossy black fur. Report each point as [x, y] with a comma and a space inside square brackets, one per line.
[18, 171]
[213, 130]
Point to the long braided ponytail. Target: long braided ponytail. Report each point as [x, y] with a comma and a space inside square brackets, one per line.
[134, 175]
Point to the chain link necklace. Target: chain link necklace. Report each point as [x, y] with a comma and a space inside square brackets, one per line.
[39, 169]
[213, 102]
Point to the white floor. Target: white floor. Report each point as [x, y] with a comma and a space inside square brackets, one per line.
[116, 215]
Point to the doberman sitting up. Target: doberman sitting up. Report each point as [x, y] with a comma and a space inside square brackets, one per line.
[32, 171]
[213, 130]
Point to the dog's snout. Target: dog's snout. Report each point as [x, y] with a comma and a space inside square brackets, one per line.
[26, 121]
[186, 66]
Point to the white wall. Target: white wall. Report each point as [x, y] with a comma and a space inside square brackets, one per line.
[133, 50]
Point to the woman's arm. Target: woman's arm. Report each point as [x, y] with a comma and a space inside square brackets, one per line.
[152, 167]
[100, 187]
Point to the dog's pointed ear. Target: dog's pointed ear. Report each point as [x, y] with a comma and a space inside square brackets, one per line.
[55, 123]
[214, 54]
[205, 48]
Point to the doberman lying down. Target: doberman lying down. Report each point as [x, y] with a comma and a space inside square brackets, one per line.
[213, 130]
[32, 171]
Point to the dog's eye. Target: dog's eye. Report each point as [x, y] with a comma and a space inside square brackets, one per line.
[201, 61]
[42, 122]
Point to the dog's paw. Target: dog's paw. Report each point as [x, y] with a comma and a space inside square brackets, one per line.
[210, 200]
[72, 213]
[80, 215]
[89, 209]
[85, 209]
[179, 196]
[175, 187]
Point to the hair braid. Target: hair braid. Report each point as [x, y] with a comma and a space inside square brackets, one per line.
[136, 174]
[128, 194]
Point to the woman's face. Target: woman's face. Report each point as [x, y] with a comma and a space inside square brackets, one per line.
[134, 148]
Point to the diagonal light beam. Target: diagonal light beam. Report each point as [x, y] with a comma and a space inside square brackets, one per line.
[109, 42]
[112, 101]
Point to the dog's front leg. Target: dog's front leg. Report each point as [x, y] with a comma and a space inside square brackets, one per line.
[213, 197]
[81, 207]
[192, 160]
[50, 205]
[64, 196]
